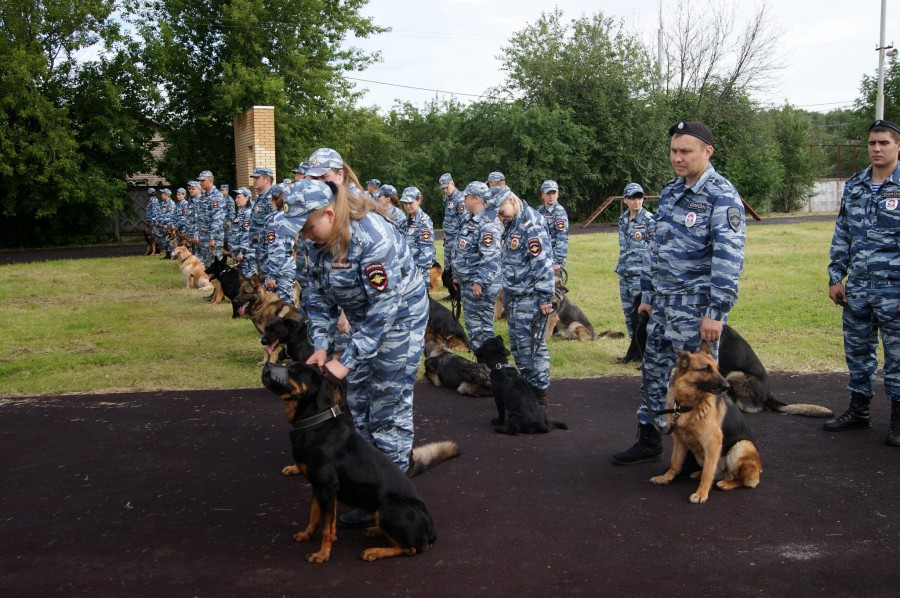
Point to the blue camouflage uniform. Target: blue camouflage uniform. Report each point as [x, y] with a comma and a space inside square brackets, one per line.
[193, 223]
[865, 249]
[165, 220]
[182, 213]
[216, 205]
[152, 213]
[228, 202]
[419, 231]
[476, 260]
[397, 215]
[634, 258]
[696, 257]
[557, 222]
[278, 244]
[527, 281]
[239, 237]
[454, 212]
[259, 215]
[379, 289]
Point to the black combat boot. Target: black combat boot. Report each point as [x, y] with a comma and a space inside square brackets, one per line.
[856, 416]
[648, 448]
[893, 438]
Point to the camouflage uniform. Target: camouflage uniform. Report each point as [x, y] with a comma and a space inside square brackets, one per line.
[152, 213]
[239, 238]
[258, 217]
[419, 231]
[278, 244]
[379, 288]
[165, 220]
[557, 222]
[454, 213]
[527, 281]
[634, 258]
[696, 257]
[193, 226]
[216, 206]
[865, 249]
[182, 213]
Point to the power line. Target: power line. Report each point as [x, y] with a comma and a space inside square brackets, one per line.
[457, 93]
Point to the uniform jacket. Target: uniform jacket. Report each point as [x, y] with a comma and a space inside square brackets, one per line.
[454, 212]
[278, 249]
[634, 243]
[476, 258]
[557, 223]
[239, 231]
[420, 240]
[526, 265]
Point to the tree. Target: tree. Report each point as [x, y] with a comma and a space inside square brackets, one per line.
[798, 156]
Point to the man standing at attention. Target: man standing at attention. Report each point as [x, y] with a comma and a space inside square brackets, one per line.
[696, 256]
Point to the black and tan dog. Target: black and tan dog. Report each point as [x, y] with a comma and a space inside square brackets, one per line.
[261, 305]
[229, 281]
[291, 335]
[343, 467]
[568, 320]
[443, 367]
[704, 422]
[444, 328]
[518, 410]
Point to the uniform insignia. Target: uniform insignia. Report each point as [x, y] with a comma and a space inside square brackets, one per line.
[560, 225]
[287, 208]
[487, 239]
[462, 243]
[895, 194]
[637, 236]
[891, 204]
[426, 234]
[336, 265]
[256, 209]
[734, 219]
[471, 227]
[514, 243]
[638, 226]
[246, 224]
[690, 219]
[314, 161]
[534, 246]
[270, 236]
[377, 276]
[461, 208]
[698, 206]
[215, 203]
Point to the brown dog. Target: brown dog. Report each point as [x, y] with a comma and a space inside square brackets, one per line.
[192, 269]
[261, 305]
[434, 277]
[705, 422]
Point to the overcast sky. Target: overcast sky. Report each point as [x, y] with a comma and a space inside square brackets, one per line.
[453, 45]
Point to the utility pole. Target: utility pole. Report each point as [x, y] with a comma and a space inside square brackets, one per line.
[879, 99]
[659, 48]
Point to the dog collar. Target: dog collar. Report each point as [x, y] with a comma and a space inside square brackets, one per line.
[677, 411]
[309, 422]
[500, 366]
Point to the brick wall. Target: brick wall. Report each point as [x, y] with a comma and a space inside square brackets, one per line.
[254, 143]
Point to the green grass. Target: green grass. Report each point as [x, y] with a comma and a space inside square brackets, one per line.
[128, 324]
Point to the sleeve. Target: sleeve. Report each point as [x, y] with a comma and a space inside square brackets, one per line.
[840, 244]
[426, 246]
[489, 251]
[649, 264]
[541, 262]
[727, 231]
[217, 219]
[322, 313]
[623, 229]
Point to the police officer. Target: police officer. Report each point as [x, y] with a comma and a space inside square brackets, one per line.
[300, 171]
[557, 223]
[239, 234]
[388, 198]
[419, 231]
[193, 188]
[262, 181]
[696, 256]
[496, 179]
[356, 262]
[476, 264]
[279, 267]
[865, 250]
[228, 202]
[210, 219]
[327, 165]
[372, 187]
[634, 248]
[454, 212]
[165, 221]
[152, 214]
[527, 281]
[182, 214]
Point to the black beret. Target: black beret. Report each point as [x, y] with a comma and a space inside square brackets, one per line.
[694, 129]
[886, 123]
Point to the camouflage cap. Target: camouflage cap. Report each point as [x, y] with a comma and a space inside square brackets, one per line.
[476, 188]
[192, 184]
[181, 190]
[304, 197]
[410, 194]
[548, 186]
[205, 175]
[632, 189]
[151, 191]
[286, 182]
[694, 129]
[224, 188]
[374, 182]
[445, 180]
[278, 191]
[495, 196]
[322, 160]
[263, 171]
[165, 191]
[245, 192]
[302, 168]
[386, 190]
[496, 177]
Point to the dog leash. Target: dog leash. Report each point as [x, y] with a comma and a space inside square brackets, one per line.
[676, 413]
[456, 304]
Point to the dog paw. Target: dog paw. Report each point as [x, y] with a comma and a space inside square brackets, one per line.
[302, 536]
[318, 557]
[660, 480]
[698, 498]
[373, 532]
[290, 470]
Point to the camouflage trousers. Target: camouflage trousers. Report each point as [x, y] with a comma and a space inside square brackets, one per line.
[478, 313]
[247, 266]
[284, 288]
[872, 308]
[380, 390]
[674, 326]
[203, 251]
[527, 341]
[629, 288]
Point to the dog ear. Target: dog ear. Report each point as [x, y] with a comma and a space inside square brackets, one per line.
[684, 360]
[704, 348]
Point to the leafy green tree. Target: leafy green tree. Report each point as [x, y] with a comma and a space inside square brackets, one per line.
[800, 158]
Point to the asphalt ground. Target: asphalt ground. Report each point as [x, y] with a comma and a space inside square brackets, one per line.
[180, 494]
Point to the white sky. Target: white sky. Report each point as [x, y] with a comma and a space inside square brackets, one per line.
[453, 45]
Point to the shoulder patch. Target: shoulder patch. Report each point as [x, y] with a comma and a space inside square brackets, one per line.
[487, 239]
[734, 219]
[377, 276]
[534, 246]
[270, 236]
[426, 234]
[215, 203]
[560, 225]
[246, 224]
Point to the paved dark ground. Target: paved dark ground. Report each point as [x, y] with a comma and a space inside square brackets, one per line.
[180, 494]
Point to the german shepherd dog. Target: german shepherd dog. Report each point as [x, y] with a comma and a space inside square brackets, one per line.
[261, 305]
[518, 410]
[703, 421]
[444, 328]
[443, 367]
[229, 280]
[291, 335]
[568, 320]
[150, 239]
[748, 379]
[191, 268]
[342, 466]
[434, 277]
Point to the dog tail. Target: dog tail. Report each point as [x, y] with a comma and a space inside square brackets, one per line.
[428, 455]
[806, 409]
[555, 425]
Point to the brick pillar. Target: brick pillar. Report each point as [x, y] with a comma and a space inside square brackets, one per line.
[254, 143]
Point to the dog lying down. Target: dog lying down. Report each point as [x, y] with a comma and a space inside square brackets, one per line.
[443, 367]
[704, 422]
[518, 410]
[341, 465]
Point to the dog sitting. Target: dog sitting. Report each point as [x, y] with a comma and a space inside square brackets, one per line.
[192, 269]
[230, 281]
[518, 410]
[150, 239]
[443, 367]
[261, 305]
[444, 328]
[291, 335]
[704, 422]
[568, 320]
[342, 466]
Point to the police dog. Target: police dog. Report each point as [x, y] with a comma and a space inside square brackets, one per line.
[703, 421]
[261, 305]
[434, 277]
[443, 367]
[518, 410]
[444, 328]
[229, 281]
[343, 466]
[568, 320]
[291, 335]
[192, 269]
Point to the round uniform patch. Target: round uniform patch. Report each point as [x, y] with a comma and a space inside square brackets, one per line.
[637, 236]
[377, 276]
[514, 243]
[487, 239]
[270, 236]
[534, 246]
[461, 208]
[891, 204]
[690, 219]
[246, 224]
[256, 209]
[560, 225]
[462, 243]
[215, 203]
[426, 234]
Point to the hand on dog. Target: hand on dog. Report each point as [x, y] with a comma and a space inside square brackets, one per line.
[645, 308]
[546, 308]
[337, 369]
[837, 293]
[318, 358]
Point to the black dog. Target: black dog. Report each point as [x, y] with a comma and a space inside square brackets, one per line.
[443, 367]
[517, 406]
[341, 465]
[229, 279]
[444, 328]
[292, 336]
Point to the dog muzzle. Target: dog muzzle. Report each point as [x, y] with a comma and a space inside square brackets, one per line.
[275, 377]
